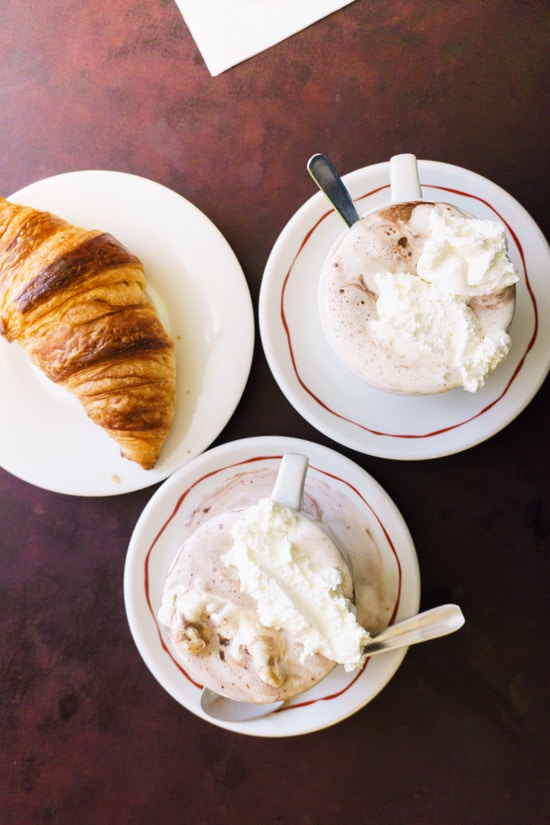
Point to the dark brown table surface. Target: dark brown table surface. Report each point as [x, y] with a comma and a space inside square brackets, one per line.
[460, 735]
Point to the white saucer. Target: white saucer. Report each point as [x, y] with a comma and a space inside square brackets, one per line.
[156, 540]
[201, 294]
[369, 420]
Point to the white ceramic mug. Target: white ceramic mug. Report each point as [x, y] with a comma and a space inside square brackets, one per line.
[394, 331]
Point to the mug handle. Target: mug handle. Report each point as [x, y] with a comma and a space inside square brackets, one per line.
[404, 182]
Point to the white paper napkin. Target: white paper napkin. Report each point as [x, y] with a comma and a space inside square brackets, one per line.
[230, 31]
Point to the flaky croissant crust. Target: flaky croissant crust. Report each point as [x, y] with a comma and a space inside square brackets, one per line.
[76, 301]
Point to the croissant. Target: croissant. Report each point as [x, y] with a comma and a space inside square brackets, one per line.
[75, 300]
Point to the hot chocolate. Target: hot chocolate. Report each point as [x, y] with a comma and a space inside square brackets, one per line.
[259, 600]
[418, 298]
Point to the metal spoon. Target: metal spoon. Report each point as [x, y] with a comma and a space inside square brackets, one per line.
[331, 184]
[431, 624]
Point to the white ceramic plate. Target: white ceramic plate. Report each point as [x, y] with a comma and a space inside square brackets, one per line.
[156, 540]
[201, 294]
[373, 421]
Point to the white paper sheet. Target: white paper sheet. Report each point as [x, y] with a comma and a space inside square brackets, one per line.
[230, 31]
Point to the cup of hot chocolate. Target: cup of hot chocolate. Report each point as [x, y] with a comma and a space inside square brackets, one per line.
[418, 296]
[259, 601]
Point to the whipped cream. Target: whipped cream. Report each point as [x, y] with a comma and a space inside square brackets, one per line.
[465, 256]
[429, 313]
[185, 611]
[273, 551]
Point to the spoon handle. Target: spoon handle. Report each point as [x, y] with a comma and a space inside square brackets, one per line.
[330, 183]
[431, 624]
[428, 625]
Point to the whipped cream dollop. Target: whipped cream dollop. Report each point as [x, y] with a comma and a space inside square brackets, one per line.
[189, 612]
[465, 256]
[276, 552]
[284, 599]
[429, 312]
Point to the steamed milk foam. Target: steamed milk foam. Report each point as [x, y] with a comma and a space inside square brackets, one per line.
[259, 600]
[418, 298]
